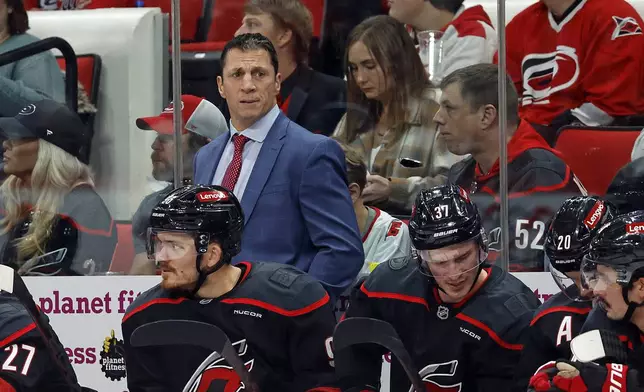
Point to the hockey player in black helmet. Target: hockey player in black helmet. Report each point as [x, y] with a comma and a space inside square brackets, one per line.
[561, 318]
[459, 318]
[278, 318]
[614, 270]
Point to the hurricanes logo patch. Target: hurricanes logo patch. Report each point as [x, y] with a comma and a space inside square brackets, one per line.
[547, 73]
[625, 27]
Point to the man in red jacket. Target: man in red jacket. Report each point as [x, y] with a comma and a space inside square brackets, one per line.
[538, 179]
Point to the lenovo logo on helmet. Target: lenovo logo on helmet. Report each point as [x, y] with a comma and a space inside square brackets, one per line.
[210, 196]
[635, 228]
[595, 215]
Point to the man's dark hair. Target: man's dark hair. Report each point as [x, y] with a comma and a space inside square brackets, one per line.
[17, 20]
[447, 5]
[480, 86]
[247, 42]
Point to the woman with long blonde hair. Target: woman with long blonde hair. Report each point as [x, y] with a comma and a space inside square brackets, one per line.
[52, 220]
[389, 119]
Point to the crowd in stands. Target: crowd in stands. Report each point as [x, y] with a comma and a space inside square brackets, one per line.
[327, 164]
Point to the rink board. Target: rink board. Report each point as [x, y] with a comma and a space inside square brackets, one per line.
[84, 311]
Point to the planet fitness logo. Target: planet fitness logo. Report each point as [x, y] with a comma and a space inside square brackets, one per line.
[113, 358]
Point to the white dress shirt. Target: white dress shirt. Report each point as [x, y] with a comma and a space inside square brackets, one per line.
[256, 133]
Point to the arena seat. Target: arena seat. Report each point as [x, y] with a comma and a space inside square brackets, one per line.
[124, 252]
[89, 76]
[595, 154]
[89, 73]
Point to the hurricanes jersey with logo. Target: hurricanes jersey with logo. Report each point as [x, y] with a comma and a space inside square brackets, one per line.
[26, 362]
[278, 318]
[554, 325]
[473, 345]
[590, 62]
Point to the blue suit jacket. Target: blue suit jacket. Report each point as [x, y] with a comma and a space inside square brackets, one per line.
[297, 206]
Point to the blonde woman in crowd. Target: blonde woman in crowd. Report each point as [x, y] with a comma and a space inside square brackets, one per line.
[389, 118]
[52, 220]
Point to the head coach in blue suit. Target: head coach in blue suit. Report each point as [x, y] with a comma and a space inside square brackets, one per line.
[291, 182]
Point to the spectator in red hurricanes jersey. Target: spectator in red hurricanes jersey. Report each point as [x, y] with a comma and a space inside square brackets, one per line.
[577, 61]
[469, 37]
[538, 179]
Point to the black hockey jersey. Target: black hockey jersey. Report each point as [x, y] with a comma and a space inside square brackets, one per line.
[538, 183]
[628, 333]
[553, 326]
[279, 319]
[26, 362]
[470, 346]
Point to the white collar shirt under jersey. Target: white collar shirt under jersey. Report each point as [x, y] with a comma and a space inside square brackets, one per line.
[256, 133]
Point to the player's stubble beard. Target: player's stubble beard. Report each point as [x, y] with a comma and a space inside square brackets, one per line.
[178, 279]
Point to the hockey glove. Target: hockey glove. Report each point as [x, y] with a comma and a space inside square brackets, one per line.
[567, 376]
[541, 381]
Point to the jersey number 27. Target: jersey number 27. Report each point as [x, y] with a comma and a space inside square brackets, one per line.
[11, 364]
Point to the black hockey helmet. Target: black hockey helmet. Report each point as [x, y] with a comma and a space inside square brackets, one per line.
[626, 191]
[619, 245]
[208, 212]
[445, 215]
[568, 239]
[58, 253]
[572, 229]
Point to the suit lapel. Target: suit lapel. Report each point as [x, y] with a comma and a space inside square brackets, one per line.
[219, 144]
[300, 93]
[264, 164]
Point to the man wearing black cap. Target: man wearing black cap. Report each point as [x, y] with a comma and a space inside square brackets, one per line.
[53, 221]
[202, 122]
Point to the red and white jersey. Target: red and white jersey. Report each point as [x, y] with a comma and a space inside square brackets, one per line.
[386, 238]
[591, 62]
[467, 40]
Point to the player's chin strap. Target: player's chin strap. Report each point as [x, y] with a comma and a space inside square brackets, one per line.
[203, 274]
[632, 306]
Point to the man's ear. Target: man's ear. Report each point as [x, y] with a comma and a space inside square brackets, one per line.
[638, 288]
[213, 256]
[220, 87]
[354, 191]
[489, 115]
[284, 37]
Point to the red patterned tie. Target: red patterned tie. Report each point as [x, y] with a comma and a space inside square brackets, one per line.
[234, 168]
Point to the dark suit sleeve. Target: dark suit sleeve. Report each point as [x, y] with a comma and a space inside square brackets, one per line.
[329, 216]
